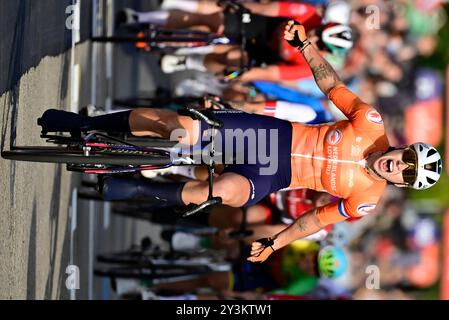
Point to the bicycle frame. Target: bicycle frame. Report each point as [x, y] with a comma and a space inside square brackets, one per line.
[91, 140]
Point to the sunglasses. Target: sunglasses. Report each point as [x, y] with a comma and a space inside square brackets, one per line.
[410, 173]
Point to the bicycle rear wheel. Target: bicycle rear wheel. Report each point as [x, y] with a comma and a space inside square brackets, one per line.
[65, 155]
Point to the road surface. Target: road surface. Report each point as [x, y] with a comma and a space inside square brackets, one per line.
[47, 62]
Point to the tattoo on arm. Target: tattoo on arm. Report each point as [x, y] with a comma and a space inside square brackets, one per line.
[325, 76]
[302, 224]
[323, 71]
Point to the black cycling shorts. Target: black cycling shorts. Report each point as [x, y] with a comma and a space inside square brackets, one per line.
[259, 34]
[234, 28]
[254, 146]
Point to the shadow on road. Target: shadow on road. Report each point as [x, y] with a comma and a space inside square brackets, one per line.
[29, 31]
[31, 275]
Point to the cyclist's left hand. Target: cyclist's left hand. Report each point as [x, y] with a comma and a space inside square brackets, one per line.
[260, 251]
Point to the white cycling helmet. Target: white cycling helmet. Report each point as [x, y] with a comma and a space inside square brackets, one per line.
[335, 37]
[429, 166]
[337, 11]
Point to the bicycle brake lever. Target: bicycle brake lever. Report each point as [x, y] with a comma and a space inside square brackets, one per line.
[204, 205]
[203, 116]
[189, 111]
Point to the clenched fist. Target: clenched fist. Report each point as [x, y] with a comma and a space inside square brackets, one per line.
[261, 250]
[295, 34]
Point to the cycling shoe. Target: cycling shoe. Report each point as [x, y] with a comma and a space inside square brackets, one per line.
[125, 17]
[172, 63]
[61, 121]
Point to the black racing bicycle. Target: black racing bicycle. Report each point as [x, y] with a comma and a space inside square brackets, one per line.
[96, 152]
[156, 39]
[172, 217]
[145, 262]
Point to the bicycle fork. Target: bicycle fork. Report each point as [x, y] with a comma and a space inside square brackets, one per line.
[214, 125]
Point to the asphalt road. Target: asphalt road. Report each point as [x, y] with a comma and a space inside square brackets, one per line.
[44, 227]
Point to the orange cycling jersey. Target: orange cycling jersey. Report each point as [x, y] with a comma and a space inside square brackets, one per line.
[331, 158]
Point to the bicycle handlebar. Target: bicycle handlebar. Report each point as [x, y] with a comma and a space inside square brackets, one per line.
[208, 117]
[203, 115]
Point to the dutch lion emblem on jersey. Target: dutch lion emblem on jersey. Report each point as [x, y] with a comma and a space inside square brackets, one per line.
[334, 136]
[373, 116]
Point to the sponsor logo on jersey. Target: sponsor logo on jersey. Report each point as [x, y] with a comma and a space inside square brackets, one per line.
[351, 178]
[355, 150]
[365, 208]
[334, 137]
[374, 117]
[253, 189]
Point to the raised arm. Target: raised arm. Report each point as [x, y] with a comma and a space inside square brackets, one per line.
[325, 76]
[330, 84]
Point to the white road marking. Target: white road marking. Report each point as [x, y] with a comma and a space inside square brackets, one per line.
[90, 275]
[110, 87]
[74, 68]
[76, 37]
[73, 211]
[96, 14]
[74, 107]
[75, 86]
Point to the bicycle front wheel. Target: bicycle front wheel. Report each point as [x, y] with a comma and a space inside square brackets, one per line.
[102, 157]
